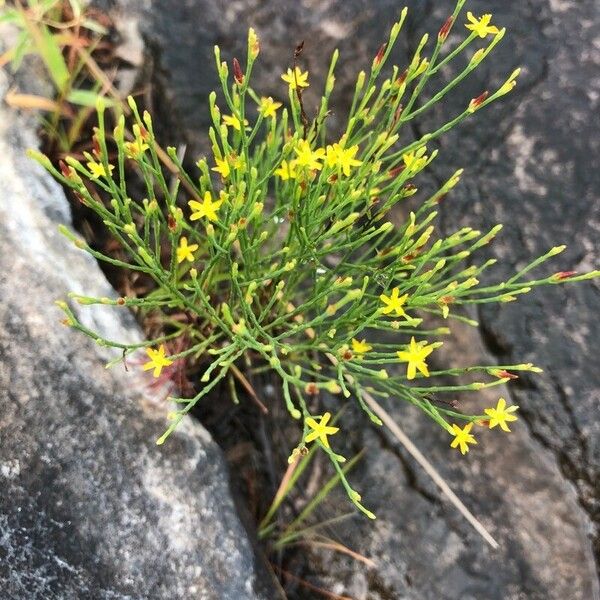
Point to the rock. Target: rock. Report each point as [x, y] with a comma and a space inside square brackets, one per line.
[90, 506]
[528, 164]
[529, 168]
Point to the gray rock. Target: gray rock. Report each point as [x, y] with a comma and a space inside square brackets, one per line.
[530, 166]
[90, 507]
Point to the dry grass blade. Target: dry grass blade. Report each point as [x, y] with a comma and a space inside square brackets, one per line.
[33, 102]
[246, 385]
[336, 547]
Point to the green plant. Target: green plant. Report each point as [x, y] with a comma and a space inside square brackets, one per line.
[287, 261]
[64, 35]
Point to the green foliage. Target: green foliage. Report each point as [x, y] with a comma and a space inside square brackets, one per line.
[286, 259]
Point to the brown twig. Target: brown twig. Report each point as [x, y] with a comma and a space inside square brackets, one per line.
[246, 385]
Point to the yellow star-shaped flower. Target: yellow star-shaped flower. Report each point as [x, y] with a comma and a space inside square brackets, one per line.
[207, 208]
[462, 437]
[501, 415]
[415, 161]
[233, 121]
[307, 157]
[185, 251]
[360, 347]
[287, 170]
[268, 107]
[157, 361]
[338, 156]
[222, 167]
[482, 25]
[415, 357]
[296, 78]
[98, 170]
[395, 302]
[136, 148]
[320, 430]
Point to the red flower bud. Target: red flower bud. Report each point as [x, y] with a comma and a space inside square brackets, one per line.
[96, 147]
[396, 170]
[65, 169]
[445, 29]
[238, 75]
[379, 55]
[311, 389]
[172, 223]
[397, 115]
[564, 274]
[502, 374]
[476, 102]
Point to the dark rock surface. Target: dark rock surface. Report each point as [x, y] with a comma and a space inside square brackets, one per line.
[90, 507]
[530, 166]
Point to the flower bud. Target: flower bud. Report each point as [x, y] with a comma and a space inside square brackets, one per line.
[556, 250]
[253, 44]
[445, 29]
[238, 74]
[563, 275]
[379, 56]
[477, 102]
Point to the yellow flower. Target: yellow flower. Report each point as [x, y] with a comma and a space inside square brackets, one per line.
[482, 25]
[136, 148]
[222, 167]
[207, 208]
[462, 437]
[157, 361]
[320, 429]
[287, 170]
[395, 302]
[414, 162]
[185, 251]
[360, 347]
[501, 415]
[98, 170]
[233, 121]
[268, 107]
[308, 158]
[237, 163]
[415, 357]
[342, 157]
[296, 78]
